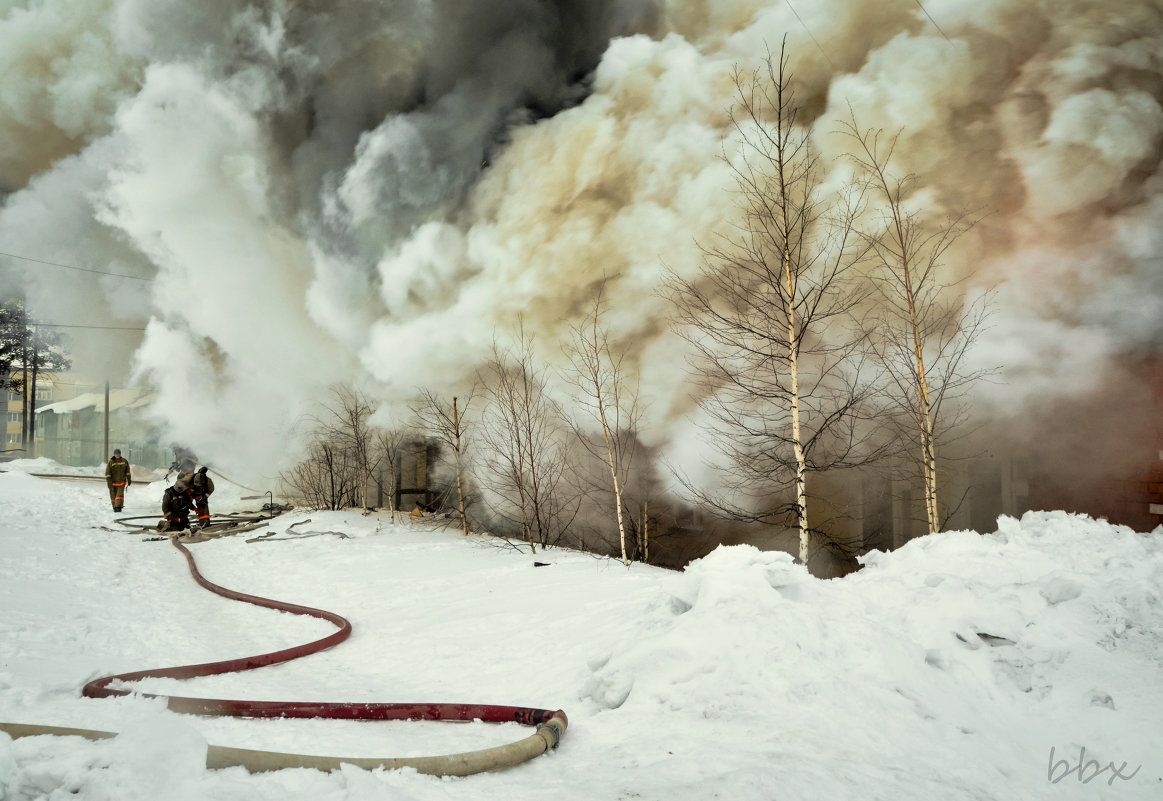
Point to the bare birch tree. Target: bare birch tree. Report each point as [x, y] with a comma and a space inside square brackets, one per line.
[923, 323]
[769, 316]
[341, 455]
[325, 479]
[610, 398]
[346, 426]
[447, 423]
[526, 457]
[389, 441]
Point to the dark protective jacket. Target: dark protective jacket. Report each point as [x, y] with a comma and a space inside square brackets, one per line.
[117, 472]
[176, 500]
[201, 484]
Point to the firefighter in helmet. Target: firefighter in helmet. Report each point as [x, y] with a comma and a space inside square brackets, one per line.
[176, 503]
[201, 487]
[118, 477]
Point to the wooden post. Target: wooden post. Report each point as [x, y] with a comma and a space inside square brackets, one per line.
[31, 418]
[24, 402]
[106, 421]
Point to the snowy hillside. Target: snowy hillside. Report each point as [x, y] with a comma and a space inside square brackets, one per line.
[959, 667]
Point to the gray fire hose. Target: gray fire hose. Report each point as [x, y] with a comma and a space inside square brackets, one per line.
[545, 738]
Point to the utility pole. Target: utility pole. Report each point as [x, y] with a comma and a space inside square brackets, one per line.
[24, 399]
[32, 394]
[106, 421]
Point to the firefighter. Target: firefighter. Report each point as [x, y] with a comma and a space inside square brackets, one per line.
[176, 502]
[118, 477]
[201, 487]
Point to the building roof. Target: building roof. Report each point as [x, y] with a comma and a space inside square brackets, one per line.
[118, 399]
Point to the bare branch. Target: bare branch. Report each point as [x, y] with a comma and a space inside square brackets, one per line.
[447, 422]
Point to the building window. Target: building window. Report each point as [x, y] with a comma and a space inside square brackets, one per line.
[13, 439]
[44, 392]
[15, 417]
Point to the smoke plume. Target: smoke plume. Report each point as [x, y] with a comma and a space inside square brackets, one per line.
[370, 191]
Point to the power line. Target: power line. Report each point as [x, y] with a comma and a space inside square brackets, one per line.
[824, 52]
[809, 33]
[930, 16]
[97, 386]
[103, 327]
[78, 269]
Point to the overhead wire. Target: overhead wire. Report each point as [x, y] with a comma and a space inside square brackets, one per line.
[809, 33]
[930, 16]
[824, 53]
[78, 269]
[102, 327]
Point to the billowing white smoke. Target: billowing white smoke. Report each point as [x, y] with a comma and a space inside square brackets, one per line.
[372, 192]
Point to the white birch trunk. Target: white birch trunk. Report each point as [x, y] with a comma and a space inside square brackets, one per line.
[794, 368]
[609, 443]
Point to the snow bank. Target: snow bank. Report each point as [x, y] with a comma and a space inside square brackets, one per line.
[958, 660]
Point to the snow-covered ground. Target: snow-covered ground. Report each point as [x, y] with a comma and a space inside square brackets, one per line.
[740, 678]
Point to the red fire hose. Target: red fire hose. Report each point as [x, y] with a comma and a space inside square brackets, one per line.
[551, 725]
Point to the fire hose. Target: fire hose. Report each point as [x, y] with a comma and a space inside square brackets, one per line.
[550, 725]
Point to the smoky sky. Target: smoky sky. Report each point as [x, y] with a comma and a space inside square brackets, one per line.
[424, 95]
[373, 191]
